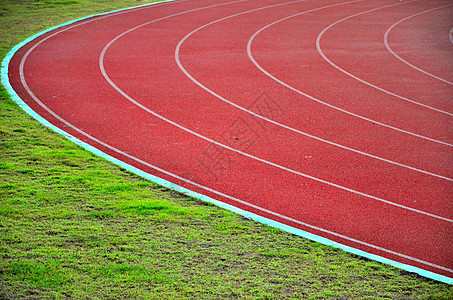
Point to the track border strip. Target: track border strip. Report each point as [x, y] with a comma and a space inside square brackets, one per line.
[168, 184]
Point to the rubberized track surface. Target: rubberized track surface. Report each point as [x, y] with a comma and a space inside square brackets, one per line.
[330, 117]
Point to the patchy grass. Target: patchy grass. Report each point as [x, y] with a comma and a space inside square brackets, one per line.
[75, 226]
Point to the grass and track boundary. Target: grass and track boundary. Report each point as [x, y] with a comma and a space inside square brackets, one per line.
[74, 225]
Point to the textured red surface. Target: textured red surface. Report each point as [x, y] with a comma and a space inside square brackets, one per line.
[168, 118]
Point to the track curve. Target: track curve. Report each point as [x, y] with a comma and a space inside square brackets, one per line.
[173, 89]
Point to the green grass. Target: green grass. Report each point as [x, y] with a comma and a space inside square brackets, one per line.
[75, 226]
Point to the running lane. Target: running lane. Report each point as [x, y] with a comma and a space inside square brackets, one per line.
[434, 25]
[180, 90]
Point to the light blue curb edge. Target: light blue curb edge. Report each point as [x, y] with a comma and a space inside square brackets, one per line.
[168, 184]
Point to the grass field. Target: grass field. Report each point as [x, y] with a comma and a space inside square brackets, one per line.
[75, 226]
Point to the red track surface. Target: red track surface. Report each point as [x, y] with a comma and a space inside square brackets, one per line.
[317, 114]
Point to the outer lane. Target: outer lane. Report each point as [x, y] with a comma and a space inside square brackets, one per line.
[366, 72]
[287, 67]
[433, 23]
[392, 114]
[103, 121]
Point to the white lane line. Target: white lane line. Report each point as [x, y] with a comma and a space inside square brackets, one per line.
[318, 46]
[180, 65]
[402, 59]
[196, 184]
[450, 35]
[107, 78]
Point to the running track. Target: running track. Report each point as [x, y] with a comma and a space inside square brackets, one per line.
[328, 118]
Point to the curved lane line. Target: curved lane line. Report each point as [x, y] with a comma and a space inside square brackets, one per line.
[178, 61]
[450, 35]
[368, 83]
[402, 59]
[22, 104]
[107, 78]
